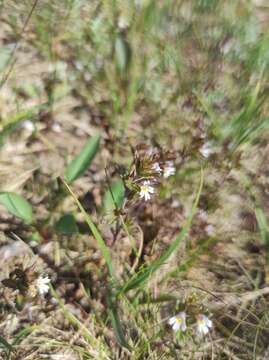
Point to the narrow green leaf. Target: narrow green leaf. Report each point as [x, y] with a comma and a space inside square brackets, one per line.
[115, 321]
[264, 230]
[17, 206]
[114, 197]
[4, 344]
[122, 52]
[141, 277]
[29, 329]
[100, 241]
[262, 223]
[67, 225]
[83, 160]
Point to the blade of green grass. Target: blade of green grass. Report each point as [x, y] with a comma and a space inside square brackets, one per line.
[24, 333]
[112, 309]
[101, 243]
[185, 265]
[115, 321]
[4, 344]
[264, 231]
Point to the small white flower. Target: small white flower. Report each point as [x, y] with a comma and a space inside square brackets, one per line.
[204, 324]
[206, 150]
[56, 127]
[178, 322]
[28, 125]
[123, 23]
[203, 215]
[169, 169]
[42, 284]
[156, 167]
[210, 230]
[145, 190]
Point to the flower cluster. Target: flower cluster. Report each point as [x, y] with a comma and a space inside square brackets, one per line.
[191, 316]
[203, 323]
[148, 169]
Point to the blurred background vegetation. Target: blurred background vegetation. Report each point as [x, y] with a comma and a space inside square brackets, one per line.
[188, 76]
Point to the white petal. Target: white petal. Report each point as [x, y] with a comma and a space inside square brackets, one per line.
[147, 196]
[176, 326]
[182, 315]
[209, 323]
[172, 320]
[183, 326]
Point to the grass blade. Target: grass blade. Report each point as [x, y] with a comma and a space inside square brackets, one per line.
[115, 321]
[264, 231]
[101, 243]
[4, 344]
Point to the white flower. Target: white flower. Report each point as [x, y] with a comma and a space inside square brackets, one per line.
[156, 167]
[123, 23]
[210, 230]
[56, 127]
[145, 190]
[203, 215]
[42, 284]
[206, 150]
[204, 324]
[178, 322]
[169, 169]
[28, 125]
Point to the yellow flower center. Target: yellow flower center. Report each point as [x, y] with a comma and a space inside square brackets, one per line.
[144, 188]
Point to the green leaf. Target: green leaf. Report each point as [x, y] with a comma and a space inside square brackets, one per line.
[262, 223]
[67, 225]
[4, 344]
[114, 197]
[82, 161]
[115, 321]
[29, 329]
[17, 206]
[123, 53]
[264, 230]
[98, 237]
